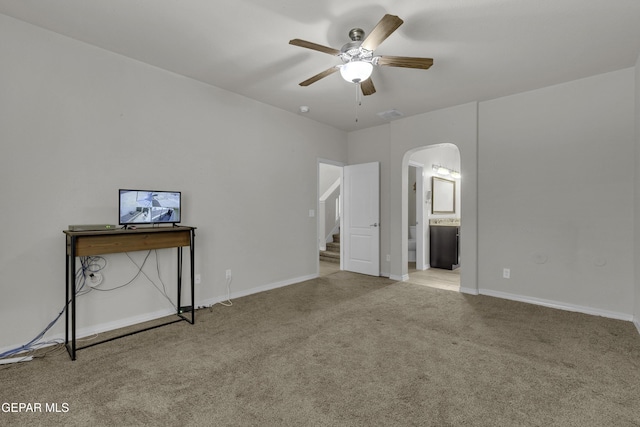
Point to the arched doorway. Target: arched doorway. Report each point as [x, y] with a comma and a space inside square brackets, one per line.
[433, 215]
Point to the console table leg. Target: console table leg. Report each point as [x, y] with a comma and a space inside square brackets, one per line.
[72, 289]
[192, 249]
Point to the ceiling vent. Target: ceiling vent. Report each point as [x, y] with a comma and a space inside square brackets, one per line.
[391, 114]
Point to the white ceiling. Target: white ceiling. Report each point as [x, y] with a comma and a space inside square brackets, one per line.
[482, 49]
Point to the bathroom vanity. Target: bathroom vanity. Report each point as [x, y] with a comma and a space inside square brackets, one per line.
[444, 243]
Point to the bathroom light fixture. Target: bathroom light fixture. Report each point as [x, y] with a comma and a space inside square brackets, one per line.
[356, 71]
[441, 170]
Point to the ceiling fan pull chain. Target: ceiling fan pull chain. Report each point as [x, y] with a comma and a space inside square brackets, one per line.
[358, 98]
[358, 102]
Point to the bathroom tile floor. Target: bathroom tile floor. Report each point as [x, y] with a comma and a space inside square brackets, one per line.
[435, 277]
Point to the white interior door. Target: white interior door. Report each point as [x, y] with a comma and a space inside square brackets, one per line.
[361, 218]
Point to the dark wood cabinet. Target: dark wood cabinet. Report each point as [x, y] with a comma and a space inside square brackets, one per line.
[444, 246]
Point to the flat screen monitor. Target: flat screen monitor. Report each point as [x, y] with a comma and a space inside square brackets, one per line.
[149, 207]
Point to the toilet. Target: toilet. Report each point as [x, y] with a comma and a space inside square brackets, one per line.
[412, 244]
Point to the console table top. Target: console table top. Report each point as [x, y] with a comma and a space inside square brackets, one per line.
[129, 230]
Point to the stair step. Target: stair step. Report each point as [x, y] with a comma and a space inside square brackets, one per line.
[333, 247]
[330, 256]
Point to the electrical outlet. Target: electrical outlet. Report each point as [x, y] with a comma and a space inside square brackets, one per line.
[228, 274]
[95, 279]
[197, 279]
[388, 257]
[506, 273]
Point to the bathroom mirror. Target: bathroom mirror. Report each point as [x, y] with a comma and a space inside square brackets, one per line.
[443, 196]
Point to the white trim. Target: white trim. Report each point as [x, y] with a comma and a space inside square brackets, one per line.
[109, 326]
[331, 162]
[258, 289]
[106, 327]
[134, 320]
[319, 237]
[16, 360]
[330, 191]
[335, 230]
[558, 305]
[123, 323]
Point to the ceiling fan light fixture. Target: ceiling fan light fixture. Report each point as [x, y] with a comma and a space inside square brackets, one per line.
[356, 71]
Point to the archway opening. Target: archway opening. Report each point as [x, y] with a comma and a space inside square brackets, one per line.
[433, 215]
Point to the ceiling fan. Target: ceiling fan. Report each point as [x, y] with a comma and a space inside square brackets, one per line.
[357, 55]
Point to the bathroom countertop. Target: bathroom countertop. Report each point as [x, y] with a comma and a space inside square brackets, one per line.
[451, 222]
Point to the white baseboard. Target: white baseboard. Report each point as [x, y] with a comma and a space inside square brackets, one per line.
[239, 294]
[558, 305]
[134, 320]
[123, 323]
[103, 327]
[270, 286]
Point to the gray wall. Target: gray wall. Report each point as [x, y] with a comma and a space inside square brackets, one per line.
[550, 195]
[445, 155]
[392, 145]
[328, 174]
[78, 122]
[556, 175]
[546, 189]
[637, 198]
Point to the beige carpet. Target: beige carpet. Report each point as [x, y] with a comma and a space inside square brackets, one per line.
[348, 350]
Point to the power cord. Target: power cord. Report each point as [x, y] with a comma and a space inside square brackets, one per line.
[227, 303]
[33, 345]
[162, 291]
[88, 278]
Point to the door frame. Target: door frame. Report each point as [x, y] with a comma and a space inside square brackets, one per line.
[341, 165]
[420, 217]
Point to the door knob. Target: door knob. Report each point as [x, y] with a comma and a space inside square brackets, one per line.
[375, 224]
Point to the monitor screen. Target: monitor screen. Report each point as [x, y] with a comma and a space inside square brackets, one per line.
[149, 207]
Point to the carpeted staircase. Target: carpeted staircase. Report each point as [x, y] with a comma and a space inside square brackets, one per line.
[332, 254]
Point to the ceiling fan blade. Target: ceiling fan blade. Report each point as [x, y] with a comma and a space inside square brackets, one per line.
[367, 87]
[319, 76]
[314, 46]
[387, 25]
[405, 61]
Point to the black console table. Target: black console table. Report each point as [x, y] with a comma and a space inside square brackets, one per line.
[87, 243]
